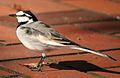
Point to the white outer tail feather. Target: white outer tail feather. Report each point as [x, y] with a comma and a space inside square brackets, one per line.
[94, 52]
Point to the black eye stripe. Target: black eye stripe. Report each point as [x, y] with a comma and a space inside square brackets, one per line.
[22, 15]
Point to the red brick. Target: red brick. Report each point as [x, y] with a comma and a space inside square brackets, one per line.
[3, 73]
[38, 6]
[105, 6]
[87, 59]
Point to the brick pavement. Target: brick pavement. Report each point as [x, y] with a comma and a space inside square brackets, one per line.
[93, 24]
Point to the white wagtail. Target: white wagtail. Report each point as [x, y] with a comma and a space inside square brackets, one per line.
[39, 36]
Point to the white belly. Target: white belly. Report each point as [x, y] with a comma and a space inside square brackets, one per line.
[23, 38]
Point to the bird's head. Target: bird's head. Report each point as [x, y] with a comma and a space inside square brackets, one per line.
[24, 17]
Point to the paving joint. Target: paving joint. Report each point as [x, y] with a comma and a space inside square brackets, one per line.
[58, 55]
[101, 32]
[16, 74]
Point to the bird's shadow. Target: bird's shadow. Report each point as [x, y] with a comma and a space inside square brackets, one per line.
[82, 66]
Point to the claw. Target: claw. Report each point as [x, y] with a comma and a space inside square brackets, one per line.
[37, 69]
[34, 66]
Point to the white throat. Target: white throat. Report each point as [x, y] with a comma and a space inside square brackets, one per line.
[30, 21]
[24, 19]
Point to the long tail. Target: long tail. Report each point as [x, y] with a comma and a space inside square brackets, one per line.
[92, 51]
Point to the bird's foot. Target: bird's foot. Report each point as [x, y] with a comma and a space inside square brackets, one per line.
[34, 66]
[37, 68]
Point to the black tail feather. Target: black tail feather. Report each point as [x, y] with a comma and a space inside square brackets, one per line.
[112, 58]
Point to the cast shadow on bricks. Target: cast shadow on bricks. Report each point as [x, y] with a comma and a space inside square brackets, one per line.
[82, 66]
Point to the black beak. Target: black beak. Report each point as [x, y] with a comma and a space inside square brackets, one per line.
[12, 15]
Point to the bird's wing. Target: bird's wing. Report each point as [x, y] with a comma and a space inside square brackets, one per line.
[39, 29]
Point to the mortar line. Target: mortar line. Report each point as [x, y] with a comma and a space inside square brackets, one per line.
[13, 72]
[57, 55]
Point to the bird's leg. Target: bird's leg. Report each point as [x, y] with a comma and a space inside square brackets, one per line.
[40, 63]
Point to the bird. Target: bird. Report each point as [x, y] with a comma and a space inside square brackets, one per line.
[39, 36]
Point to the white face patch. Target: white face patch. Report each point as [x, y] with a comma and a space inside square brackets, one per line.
[23, 17]
[20, 13]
